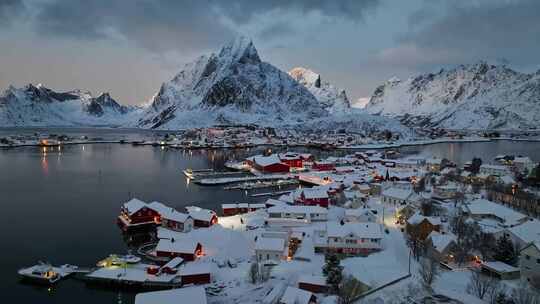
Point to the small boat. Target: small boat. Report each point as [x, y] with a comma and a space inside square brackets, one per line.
[118, 260]
[45, 273]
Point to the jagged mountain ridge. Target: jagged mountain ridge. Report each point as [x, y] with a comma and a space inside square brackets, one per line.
[475, 96]
[233, 86]
[332, 99]
[40, 106]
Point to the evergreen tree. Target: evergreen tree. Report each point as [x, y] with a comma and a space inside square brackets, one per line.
[505, 250]
[332, 270]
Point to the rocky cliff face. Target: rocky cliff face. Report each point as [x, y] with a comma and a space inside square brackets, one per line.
[232, 86]
[477, 96]
[331, 98]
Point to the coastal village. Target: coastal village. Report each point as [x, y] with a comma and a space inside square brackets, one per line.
[372, 226]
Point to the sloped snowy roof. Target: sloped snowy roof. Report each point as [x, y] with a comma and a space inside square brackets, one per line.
[295, 295]
[397, 193]
[441, 241]
[528, 231]
[192, 268]
[297, 209]
[270, 244]
[266, 160]
[360, 230]
[157, 206]
[134, 205]
[191, 295]
[483, 206]
[312, 279]
[417, 218]
[312, 193]
[181, 245]
[172, 214]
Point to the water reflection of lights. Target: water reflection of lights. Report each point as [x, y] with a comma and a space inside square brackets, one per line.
[187, 182]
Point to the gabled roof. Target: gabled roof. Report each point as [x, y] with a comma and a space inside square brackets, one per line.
[359, 230]
[397, 193]
[441, 241]
[134, 205]
[200, 214]
[297, 209]
[417, 218]
[312, 193]
[266, 160]
[180, 245]
[295, 295]
[271, 244]
[173, 215]
[527, 232]
[158, 207]
[192, 295]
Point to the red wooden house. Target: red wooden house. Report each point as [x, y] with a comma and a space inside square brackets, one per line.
[314, 196]
[323, 166]
[195, 273]
[202, 217]
[137, 213]
[315, 284]
[268, 164]
[294, 160]
[185, 248]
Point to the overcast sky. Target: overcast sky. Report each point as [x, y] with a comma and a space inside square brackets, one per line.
[129, 47]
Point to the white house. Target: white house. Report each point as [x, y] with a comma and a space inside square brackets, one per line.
[269, 249]
[524, 234]
[296, 212]
[529, 263]
[177, 221]
[397, 196]
[494, 170]
[350, 238]
[482, 209]
[361, 215]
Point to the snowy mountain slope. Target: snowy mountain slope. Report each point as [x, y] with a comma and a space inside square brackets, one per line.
[40, 106]
[477, 96]
[233, 86]
[332, 99]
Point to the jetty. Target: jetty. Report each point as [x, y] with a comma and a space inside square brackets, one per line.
[231, 180]
[271, 193]
[262, 184]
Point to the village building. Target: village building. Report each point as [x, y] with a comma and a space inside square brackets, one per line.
[419, 227]
[323, 166]
[397, 196]
[195, 273]
[441, 246]
[529, 263]
[493, 213]
[294, 295]
[191, 295]
[202, 217]
[362, 188]
[500, 270]
[240, 208]
[186, 248]
[307, 213]
[177, 221]
[433, 164]
[349, 238]
[314, 196]
[313, 283]
[494, 170]
[447, 191]
[293, 160]
[360, 215]
[269, 249]
[137, 213]
[268, 164]
[524, 234]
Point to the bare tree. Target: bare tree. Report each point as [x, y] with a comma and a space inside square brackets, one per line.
[349, 289]
[429, 271]
[253, 273]
[481, 285]
[524, 295]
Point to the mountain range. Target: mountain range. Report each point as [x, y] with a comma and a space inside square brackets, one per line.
[234, 86]
[475, 96]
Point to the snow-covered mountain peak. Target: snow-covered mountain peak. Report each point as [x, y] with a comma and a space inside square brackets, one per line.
[472, 96]
[240, 50]
[331, 98]
[306, 77]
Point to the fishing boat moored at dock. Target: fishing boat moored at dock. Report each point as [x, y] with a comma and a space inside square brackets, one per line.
[44, 273]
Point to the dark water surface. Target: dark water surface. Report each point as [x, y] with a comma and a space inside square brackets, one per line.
[61, 205]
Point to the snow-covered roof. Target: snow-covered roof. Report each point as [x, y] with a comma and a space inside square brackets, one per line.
[441, 241]
[358, 212]
[295, 295]
[417, 218]
[174, 215]
[192, 268]
[157, 206]
[297, 209]
[527, 232]
[397, 193]
[484, 207]
[134, 205]
[311, 193]
[266, 160]
[500, 267]
[175, 262]
[359, 230]
[181, 245]
[191, 295]
[312, 279]
[270, 244]
[200, 214]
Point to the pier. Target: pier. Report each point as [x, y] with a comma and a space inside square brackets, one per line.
[231, 180]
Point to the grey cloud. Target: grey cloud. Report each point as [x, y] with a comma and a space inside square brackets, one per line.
[9, 10]
[178, 25]
[489, 30]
